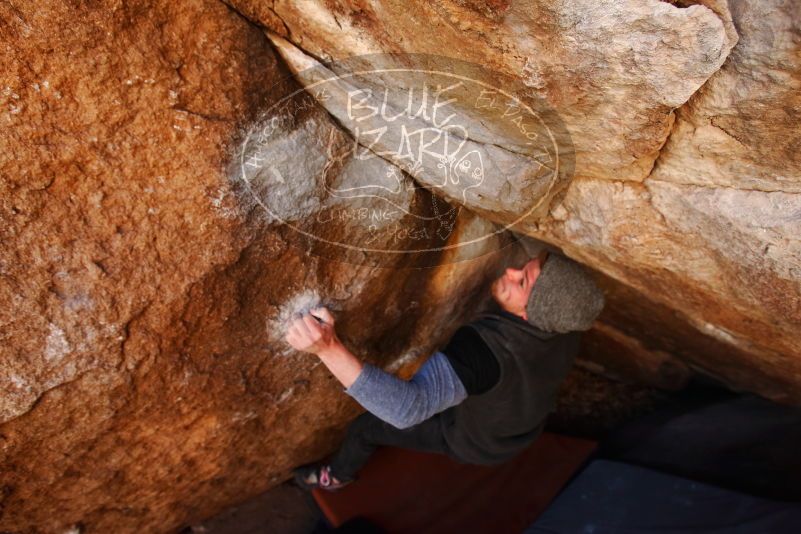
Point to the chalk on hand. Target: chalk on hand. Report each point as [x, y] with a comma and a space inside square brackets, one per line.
[298, 305]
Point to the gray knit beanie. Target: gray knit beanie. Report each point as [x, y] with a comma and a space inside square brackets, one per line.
[564, 297]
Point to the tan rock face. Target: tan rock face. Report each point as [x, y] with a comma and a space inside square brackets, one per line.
[146, 288]
[158, 227]
[613, 70]
[713, 231]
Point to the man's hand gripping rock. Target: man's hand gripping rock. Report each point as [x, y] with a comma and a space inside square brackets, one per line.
[313, 332]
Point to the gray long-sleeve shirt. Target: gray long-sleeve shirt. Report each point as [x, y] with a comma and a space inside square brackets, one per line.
[405, 403]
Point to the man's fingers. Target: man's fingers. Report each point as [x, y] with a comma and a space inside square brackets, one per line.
[305, 330]
[293, 341]
[315, 332]
[292, 336]
[298, 338]
[323, 313]
[298, 328]
[295, 328]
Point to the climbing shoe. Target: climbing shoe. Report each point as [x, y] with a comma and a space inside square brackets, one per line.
[318, 476]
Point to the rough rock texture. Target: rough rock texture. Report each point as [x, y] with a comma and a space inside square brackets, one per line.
[158, 229]
[713, 232]
[460, 130]
[684, 124]
[613, 70]
[145, 290]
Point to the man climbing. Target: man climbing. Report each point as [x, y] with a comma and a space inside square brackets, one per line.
[485, 396]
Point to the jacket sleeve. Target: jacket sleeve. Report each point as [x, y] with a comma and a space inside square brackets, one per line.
[401, 403]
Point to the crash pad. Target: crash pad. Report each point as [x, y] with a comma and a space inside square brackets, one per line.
[409, 491]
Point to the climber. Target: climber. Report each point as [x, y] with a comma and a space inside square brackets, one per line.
[485, 396]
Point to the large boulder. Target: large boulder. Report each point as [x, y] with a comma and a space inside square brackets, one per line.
[712, 232]
[170, 195]
[147, 285]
